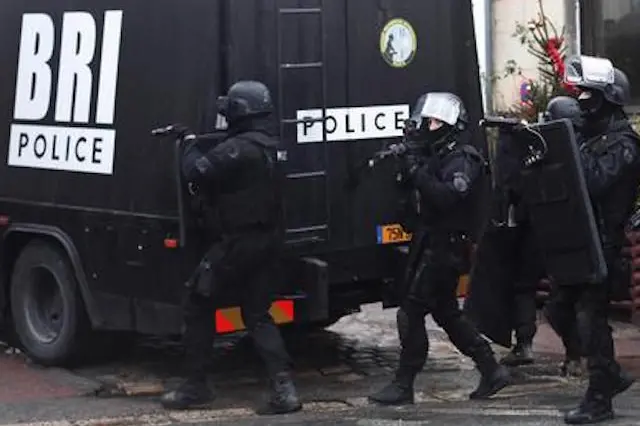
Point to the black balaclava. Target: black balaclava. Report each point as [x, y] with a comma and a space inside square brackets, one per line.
[258, 123]
[437, 139]
[598, 113]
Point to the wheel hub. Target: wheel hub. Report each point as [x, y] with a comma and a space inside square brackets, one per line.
[44, 306]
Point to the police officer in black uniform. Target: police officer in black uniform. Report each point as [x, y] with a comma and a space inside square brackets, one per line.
[444, 174]
[559, 108]
[238, 177]
[508, 266]
[610, 156]
[566, 107]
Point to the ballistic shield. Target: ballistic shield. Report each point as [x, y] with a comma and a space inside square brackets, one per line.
[555, 192]
[489, 300]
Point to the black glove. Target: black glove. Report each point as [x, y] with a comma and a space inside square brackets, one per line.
[181, 130]
[398, 149]
[410, 128]
[412, 163]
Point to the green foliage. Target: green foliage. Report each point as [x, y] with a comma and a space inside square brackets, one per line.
[635, 122]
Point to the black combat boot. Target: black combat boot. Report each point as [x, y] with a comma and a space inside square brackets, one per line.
[594, 408]
[398, 392]
[191, 394]
[284, 397]
[522, 354]
[494, 377]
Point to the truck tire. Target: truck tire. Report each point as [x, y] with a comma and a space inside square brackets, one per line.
[46, 306]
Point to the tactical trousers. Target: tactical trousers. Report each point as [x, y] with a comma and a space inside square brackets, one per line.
[561, 314]
[434, 292]
[527, 274]
[245, 271]
[524, 312]
[579, 315]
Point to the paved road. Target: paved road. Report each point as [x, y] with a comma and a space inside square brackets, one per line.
[335, 370]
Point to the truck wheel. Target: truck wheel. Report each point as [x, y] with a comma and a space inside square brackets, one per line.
[45, 305]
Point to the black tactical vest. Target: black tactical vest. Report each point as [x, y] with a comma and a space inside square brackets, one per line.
[467, 216]
[614, 208]
[254, 200]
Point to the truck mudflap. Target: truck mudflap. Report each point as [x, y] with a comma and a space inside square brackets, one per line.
[283, 311]
[309, 304]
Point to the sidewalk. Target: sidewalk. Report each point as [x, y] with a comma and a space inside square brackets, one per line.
[334, 372]
[626, 339]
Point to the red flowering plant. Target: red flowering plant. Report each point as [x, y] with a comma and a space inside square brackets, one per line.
[543, 41]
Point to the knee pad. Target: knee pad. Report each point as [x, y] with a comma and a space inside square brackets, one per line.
[402, 318]
[584, 325]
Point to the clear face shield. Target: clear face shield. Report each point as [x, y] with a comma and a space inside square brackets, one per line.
[440, 109]
[588, 71]
[414, 124]
[591, 75]
[222, 105]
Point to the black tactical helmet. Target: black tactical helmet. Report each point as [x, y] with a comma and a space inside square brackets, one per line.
[564, 107]
[590, 73]
[619, 93]
[245, 99]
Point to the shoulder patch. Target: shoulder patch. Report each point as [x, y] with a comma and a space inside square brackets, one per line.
[232, 151]
[628, 155]
[461, 182]
[203, 165]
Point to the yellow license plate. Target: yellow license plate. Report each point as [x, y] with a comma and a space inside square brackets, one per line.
[392, 234]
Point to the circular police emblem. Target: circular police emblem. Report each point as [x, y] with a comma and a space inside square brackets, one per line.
[398, 43]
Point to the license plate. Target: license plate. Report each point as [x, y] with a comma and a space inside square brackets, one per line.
[392, 234]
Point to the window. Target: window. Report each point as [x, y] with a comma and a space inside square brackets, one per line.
[610, 29]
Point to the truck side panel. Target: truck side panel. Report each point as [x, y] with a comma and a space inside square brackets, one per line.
[167, 61]
[342, 194]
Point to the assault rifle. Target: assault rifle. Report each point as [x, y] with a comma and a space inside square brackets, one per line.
[394, 150]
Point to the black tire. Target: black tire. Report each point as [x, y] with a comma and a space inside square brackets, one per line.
[46, 306]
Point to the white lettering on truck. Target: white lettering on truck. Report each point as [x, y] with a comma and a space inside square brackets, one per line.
[79, 144]
[356, 123]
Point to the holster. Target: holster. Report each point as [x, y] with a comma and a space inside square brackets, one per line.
[204, 281]
[445, 253]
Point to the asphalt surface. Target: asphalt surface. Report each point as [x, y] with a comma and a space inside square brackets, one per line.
[335, 371]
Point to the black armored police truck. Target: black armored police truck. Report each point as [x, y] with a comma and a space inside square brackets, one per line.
[91, 217]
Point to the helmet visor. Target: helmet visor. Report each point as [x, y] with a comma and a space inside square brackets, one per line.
[443, 107]
[417, 110]
[588, 70]
[222, 105]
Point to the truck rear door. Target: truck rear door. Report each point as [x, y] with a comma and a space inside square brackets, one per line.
[364, 63]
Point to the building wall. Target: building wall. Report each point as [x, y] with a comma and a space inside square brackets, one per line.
[480, 24]
[506, 13]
